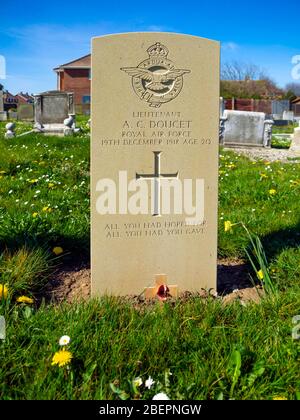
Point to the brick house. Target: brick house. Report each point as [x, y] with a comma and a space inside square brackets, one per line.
[10, 101]
[24, 98]
[296, 106]
[75, 77]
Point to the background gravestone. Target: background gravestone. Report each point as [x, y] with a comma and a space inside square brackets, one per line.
[25, 112]
[3, 115]
[155, 113]
[52, 108]
[243, 128]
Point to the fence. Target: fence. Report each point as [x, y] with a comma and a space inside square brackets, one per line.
[258, 105]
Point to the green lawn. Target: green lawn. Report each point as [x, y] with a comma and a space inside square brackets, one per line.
[213, 351]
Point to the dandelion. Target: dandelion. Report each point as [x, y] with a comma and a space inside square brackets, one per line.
[51, 185]
[35, 214]
[263, 176]
[149, 382]
[260, 274]
[25, 299]
[57, 250]
[33, 181]
[279, 398]
[160, 396]
[272, 191]
[137, 382]
[61, 358]
[3, 291]
[228, 226]
[64, 340]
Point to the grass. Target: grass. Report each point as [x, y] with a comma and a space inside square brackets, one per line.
[286, 129]
[213, 351]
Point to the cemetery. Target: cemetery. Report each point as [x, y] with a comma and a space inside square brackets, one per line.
[149, 254]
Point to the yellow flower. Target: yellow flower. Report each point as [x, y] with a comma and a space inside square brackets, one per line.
[3, 291]
[61, 358]
[2, 172]
[262, 176]
[57, 250]
[272, 191]
[279, 398]
[267, 163]
[35, 214]
[33, 181]
[228, 226]
[51, 185]
[260, 274]
[25, 299]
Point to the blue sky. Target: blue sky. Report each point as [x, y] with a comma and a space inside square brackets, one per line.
[36, 36]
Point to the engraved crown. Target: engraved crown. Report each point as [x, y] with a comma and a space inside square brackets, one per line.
[158, 50]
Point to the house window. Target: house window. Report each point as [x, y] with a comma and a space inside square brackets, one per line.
[86, 99]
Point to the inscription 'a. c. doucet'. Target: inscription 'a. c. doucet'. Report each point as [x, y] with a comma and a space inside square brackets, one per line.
[156, 80]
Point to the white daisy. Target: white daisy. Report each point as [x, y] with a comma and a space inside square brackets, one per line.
[64, 340]
[149, 382]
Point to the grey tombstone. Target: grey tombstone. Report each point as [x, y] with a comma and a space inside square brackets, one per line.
[25, 112]
[222, 106]
[243, 128]
[13, 114]
[51, 109]
[3, 115]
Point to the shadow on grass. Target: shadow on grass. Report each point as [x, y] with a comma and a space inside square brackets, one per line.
[276, 242]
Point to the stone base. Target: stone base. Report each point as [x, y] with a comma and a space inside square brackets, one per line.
[3, 116]
[245, 145]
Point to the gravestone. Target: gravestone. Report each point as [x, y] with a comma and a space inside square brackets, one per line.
[25, 112]
[295, 144]
[13, 114]
[155, 110]
[51, 109]
[243, 128]
[222, 106]
[3, 115]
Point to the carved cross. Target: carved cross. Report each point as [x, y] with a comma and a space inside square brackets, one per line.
[156, 177]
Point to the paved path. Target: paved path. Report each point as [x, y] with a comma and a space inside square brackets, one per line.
[271, 155]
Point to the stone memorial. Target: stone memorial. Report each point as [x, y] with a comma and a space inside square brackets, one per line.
[295, 144]
[154, 169]
[243, 128]
[3, 115]
[25, 112]
[51, 109]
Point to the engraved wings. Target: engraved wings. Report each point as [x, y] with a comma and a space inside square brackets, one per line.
[152, 77]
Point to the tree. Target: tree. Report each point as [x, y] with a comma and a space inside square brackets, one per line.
[293, 88]
[235, 70]
[247, 81]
